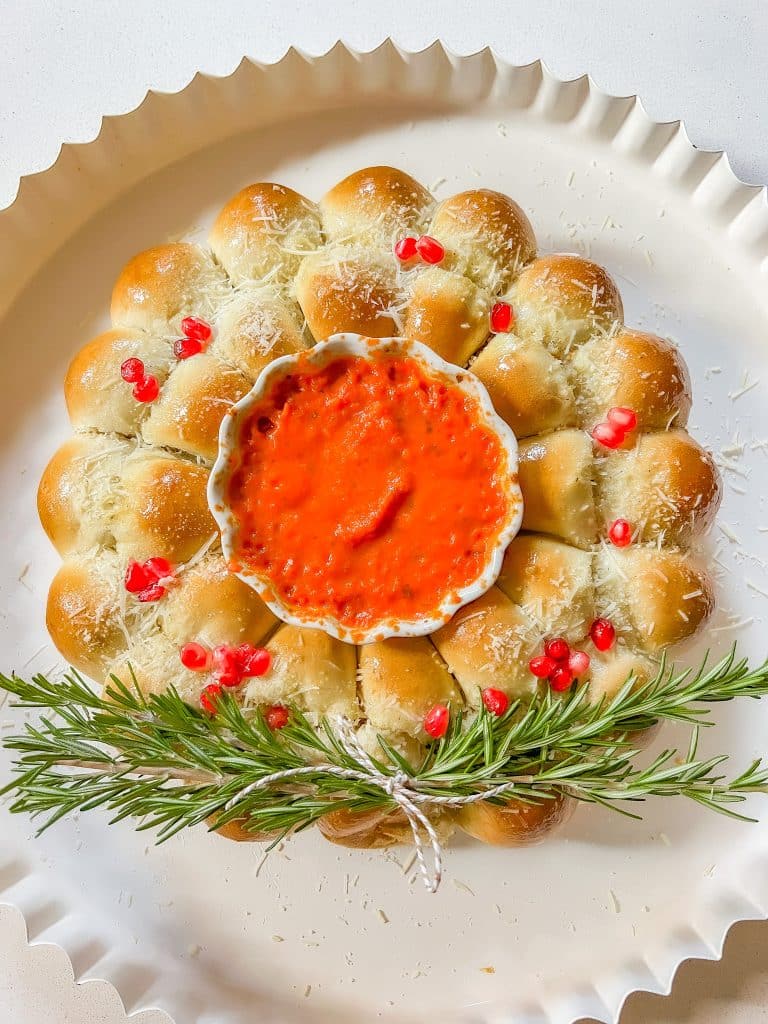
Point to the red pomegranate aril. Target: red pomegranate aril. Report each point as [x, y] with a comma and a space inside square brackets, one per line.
[496, 701]
[620, 533]
[183, 348]
[542, 666]
[195, 328]
[256, 663]
[195, 657]
[151, 593]
[436, 721]
[159, 568]
[623, 418]
[225, 659]
[277, 716]
[602, 634]
[561, 678]
[578, 662]
[146, 390]
[501, 318]
[136, 577]
[132, 370]
[209, 698]
[429, 249]
[405, 249]
[557, 649]
[229, 677]
[607, 435]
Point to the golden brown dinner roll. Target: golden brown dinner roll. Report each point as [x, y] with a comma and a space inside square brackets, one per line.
[666, 487]
[97, 397]
[610, 670]
[486, 236]
[238, 832]
[489, 643]
[529, 388]
[212, 606]
[83, 614]
[366, 829]
[379, 204]
[102, 489]
[556, 478]
[159, 287]
[165, 509]
[192, 403]
[311, 669]
[448, 313]
[152, 663]
[255, 327]
[263, 232]
[654, 597]
[634, 370]
[562, 299]
[515, 822]
[400, 680]
[552, 583]
[344, 289]
[76, 495]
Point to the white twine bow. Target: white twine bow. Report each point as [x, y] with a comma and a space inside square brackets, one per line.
[398, 785]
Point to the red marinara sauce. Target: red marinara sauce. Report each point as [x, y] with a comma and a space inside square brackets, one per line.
[368, 490]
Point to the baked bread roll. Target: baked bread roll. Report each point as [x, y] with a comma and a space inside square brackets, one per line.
[486, 235]
[377, 204]
[160, 286]
[282, 273]
[666, 484]
[529, 388]
[263, 232]
[557, 480]
[564, 300]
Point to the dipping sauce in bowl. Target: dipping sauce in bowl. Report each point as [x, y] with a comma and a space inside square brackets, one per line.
[368, 490]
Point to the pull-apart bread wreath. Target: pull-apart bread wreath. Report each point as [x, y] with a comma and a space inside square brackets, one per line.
[615, 490]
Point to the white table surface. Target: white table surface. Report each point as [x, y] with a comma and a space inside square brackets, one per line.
[64, 65]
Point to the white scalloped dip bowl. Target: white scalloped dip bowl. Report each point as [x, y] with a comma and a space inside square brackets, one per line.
[229, 459]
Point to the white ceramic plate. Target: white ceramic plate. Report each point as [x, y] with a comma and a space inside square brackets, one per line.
[201, 926]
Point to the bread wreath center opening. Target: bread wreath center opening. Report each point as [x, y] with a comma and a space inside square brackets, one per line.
[369, 488]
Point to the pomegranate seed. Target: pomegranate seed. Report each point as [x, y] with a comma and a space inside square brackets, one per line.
[136, 577]
[603, 634]
[229, 677]
[496, 701]
[561, 678]
[405, 249]
[256, 663]
[224, 658]
[132, 371]
[195, 657]
[146, 390]
[159, 568]
[620, 533]
[429, 249]
[195, 328]
[623, 418]
[578, 662]
[151, 593]
[277, 716]
[436, 721]
[183, 348]
[542, 666]
[501, 318]
[608, 435]
[209, 697]
[557, 649]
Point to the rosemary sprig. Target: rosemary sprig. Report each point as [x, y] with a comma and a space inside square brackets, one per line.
[156, 758]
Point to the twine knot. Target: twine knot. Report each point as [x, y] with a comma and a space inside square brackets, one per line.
[398, 785]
